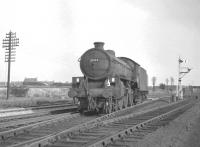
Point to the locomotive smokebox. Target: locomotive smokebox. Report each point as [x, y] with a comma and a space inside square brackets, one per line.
[99, 45]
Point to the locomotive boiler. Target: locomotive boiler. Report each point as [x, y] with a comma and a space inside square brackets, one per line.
[109, 83]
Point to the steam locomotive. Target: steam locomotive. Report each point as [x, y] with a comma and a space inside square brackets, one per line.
[109, 83]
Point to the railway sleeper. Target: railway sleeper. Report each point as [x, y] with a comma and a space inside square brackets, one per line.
[118, 127]
[138, 134]
[32, 135]
[152, 125]
[71, 141]
[18, 140]
[148, 117]
[100, 133]
[81, 137]
[47, 131]
[133, 136]
[127, 122]
[121, 143]
[22, 143]
[126, 141]
[39, 134]
[146, 130]
[141, 132]
[117, 145]
[62, 145]
[131, 122]
[107, 131]
[96, 134]
[123, 124]
[99, 130]
[66, 144]
[22, 138]
[138, 120]
[145, 116]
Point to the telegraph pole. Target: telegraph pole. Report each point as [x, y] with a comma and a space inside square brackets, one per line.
[9, 44]
[182, 71]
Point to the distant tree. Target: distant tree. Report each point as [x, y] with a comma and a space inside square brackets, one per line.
[19, 91]
[153, 82]
[172, 81]
[167, 81]
[162, 86]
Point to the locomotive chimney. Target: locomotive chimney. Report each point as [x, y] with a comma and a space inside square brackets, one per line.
[99, 45]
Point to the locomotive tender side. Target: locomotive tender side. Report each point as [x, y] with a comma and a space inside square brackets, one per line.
[110, 83]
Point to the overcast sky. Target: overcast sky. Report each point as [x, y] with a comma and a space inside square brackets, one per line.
[55, 33]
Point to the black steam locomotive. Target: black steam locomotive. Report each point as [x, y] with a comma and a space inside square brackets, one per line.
[109, 83]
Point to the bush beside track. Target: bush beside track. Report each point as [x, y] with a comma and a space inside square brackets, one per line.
[28, 102]
[34, 97]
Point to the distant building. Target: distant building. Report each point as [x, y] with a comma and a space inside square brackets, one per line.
[16, 83]
[33, 82]
[30, 80]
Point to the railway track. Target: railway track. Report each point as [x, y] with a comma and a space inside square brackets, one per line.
[37, 107]
[44, 105]
[16, 123]
[37, 115]
[108, 131]
[131, 136]
[18, 113]
[134, 129]
[37, 132]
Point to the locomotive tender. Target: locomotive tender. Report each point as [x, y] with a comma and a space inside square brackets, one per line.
[109, 83]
